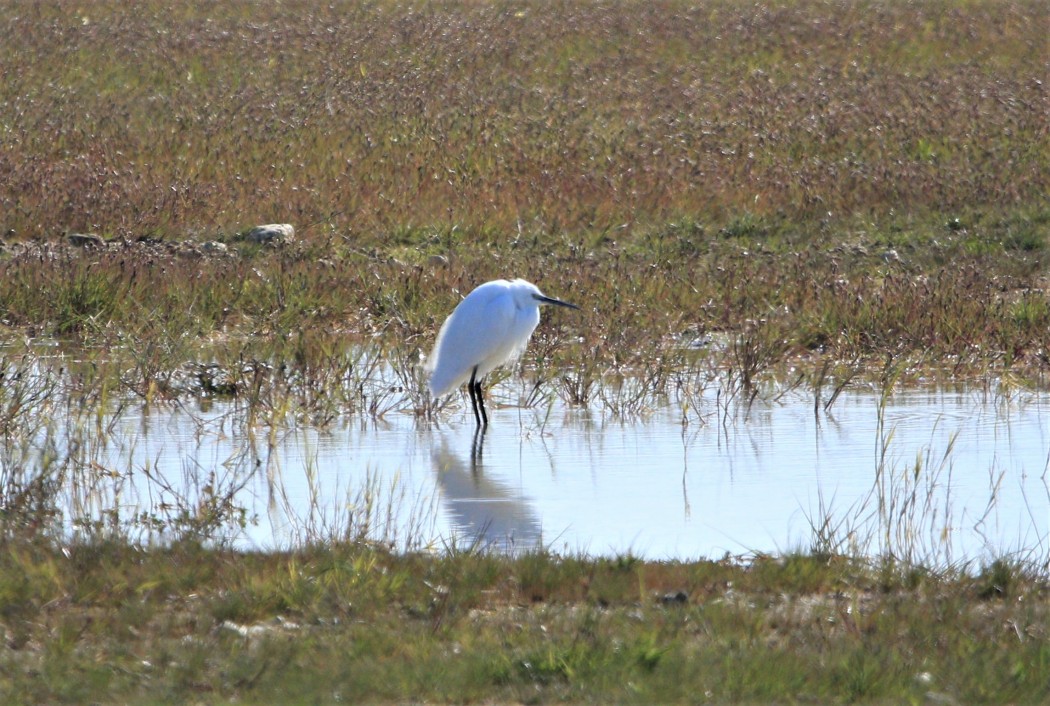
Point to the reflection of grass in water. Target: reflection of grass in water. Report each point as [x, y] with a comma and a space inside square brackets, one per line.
[378, 510]
[908, 518]
[71, 462]
[68, 458]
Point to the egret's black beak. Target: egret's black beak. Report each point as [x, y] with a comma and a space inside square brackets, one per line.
[543, 299]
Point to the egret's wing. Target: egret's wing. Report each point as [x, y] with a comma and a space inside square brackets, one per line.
[474, 335]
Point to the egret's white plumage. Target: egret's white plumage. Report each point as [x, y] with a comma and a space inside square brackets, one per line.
[490, 327]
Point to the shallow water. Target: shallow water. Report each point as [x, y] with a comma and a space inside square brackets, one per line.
[936, 475]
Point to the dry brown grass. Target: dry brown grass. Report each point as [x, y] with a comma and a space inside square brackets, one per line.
[369, 120]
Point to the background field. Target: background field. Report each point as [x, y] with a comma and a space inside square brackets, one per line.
[853, 179]
[511, 119]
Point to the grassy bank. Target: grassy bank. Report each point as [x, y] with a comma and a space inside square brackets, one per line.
[351, 623]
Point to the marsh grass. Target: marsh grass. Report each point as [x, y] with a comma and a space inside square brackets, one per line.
[470, 120]
[304, 315]
[351, 619]
[664, 189]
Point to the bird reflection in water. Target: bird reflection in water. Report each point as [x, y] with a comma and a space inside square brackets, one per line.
[485, 511]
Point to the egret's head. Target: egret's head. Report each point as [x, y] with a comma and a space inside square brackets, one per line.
[525, 291]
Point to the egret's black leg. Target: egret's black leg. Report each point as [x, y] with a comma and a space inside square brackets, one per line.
[481, 405]
[476, 400]
[473, 397]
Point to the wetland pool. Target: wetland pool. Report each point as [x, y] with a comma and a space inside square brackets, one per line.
[938, 475]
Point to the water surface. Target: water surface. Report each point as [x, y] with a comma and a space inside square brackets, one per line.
[934, 474]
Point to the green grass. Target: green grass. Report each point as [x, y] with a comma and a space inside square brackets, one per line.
[348, 621]
[966, 302]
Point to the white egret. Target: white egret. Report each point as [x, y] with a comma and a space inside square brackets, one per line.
[490, 327]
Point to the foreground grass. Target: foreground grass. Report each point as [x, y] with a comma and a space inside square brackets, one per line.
[109, 624]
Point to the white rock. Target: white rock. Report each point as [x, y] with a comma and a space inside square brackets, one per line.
[272, 233]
